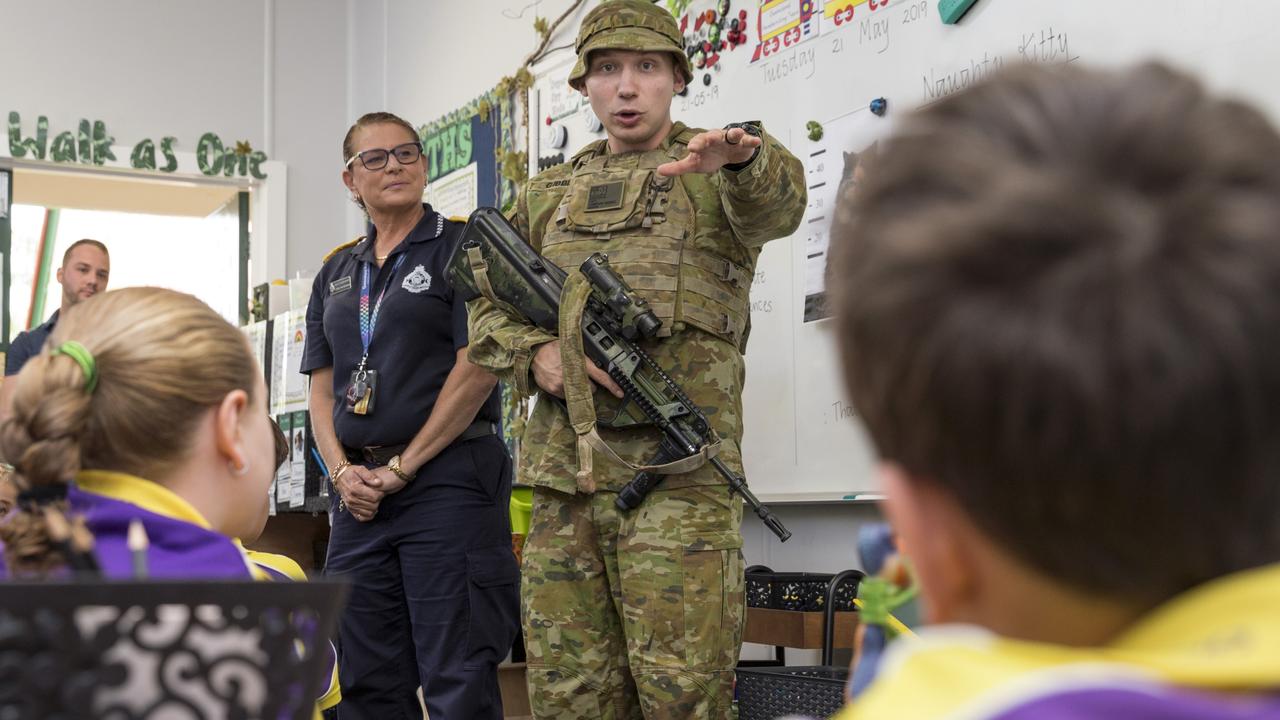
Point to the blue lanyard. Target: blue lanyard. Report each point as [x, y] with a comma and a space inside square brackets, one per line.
[369, 321]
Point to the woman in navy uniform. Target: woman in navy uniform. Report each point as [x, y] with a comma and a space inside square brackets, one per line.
[408, 427]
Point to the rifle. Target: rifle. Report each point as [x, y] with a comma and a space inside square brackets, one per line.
[495, 261]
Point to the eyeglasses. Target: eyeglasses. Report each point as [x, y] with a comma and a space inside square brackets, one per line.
[377, 158]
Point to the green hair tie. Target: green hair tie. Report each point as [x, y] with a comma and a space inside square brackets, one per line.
[84, 359]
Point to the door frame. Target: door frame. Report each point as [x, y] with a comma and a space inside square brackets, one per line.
[263, 207]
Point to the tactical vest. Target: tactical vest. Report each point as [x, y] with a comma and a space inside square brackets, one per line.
[670, 253]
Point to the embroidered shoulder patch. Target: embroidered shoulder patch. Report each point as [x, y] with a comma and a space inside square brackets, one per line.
[342, 247]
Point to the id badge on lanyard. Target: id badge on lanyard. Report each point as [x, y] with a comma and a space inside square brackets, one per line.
[362, 388]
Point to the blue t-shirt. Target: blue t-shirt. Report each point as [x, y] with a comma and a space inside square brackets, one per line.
[420, 328]
[28, 344]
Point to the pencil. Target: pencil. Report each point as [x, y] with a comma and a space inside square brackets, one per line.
[138, 543]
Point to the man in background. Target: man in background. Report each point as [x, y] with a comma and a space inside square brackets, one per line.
[86, 267]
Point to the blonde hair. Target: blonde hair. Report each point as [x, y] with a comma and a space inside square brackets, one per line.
[162, 358]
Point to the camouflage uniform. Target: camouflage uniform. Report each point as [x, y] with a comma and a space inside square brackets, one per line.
[637, 612]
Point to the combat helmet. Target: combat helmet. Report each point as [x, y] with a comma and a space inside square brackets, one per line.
[629, 25]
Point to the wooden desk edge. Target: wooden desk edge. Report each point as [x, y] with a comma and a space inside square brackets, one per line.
[796, 629]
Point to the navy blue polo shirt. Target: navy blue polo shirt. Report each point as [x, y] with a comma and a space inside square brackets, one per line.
[420, 328]
[28, 344]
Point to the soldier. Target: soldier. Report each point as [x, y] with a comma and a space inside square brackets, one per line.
[641, 612]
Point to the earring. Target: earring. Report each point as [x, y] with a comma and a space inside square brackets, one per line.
[239, 471]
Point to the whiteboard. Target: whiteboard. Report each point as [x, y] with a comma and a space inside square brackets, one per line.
[826, 63]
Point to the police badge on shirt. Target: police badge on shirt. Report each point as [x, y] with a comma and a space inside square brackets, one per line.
[417, 281]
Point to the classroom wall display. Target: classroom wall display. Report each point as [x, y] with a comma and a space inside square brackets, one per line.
[288, 387]
[298, 451]
[90, 143]
[829, 79]
[282, 486]
[466, 150]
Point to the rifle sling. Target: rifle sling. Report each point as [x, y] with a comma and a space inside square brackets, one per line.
[676, 467]
[581, 405]
[480, 271]
[577, 385]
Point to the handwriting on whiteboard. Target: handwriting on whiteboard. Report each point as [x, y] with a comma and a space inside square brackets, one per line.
[1041, 46]
[938, 85]
[1045, 46]
[799, 60]
[699, 98]
[841, 410]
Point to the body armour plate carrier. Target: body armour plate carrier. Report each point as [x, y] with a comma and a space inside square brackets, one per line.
[648, 226]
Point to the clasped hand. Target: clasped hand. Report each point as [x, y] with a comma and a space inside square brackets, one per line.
[362, 489]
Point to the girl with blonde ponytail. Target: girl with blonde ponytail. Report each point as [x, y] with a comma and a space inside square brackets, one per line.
[145, 405]
[145, 408]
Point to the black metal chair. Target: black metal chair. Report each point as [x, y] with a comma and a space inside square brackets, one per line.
[148, 650]
[765, 693]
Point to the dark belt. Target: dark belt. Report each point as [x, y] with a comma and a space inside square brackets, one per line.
[380, 454]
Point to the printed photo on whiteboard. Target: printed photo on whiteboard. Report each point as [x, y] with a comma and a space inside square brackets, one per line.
[834, 165]
[784, 24]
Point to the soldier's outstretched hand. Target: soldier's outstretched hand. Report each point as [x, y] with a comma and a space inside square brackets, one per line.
[712, 150]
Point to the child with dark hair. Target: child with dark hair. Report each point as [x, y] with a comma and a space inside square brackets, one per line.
[1057, 303]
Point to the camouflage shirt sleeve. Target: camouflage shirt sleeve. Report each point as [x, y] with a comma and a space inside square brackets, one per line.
[766, 199]
[502, 344]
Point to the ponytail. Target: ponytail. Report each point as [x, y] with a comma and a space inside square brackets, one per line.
[41, 438]
[129, 376]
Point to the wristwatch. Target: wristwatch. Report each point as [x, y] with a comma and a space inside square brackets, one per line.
[750, 128]
[394, 466]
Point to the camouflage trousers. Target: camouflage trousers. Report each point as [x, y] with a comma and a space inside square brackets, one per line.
[633, 614]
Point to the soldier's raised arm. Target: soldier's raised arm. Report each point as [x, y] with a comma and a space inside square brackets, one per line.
[764, 200]
[761, 184]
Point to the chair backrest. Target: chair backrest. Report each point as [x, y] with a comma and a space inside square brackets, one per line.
[210, 650]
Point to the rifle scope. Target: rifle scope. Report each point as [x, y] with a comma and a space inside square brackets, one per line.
[632, 312]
